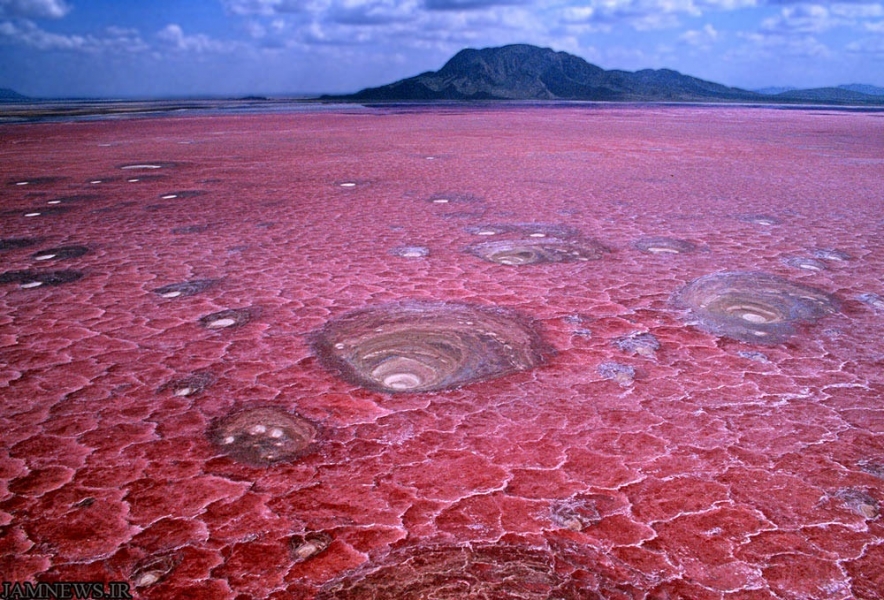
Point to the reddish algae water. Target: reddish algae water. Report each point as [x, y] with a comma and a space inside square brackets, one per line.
[168, 422]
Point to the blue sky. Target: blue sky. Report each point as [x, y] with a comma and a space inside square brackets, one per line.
[156, 48]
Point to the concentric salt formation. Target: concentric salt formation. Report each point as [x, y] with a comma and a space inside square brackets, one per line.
[622, 374]
[60, 253]
[804, 263]
[859, 501]
[831, 254]
[44, 211]
[74, 198]
[520, 252]
[188, 386]
[35, 279]
[453, 198]
[575, 514]
[154, 569]
[488, 571]
[533, 243]
[27, 181]
[641, 343]
[751, 306]
[185, 288]
[663, 245]
[263, 436]
[227, 319]
[873, 300]
[411, 251]
[147, 166]
[306, 545]
[765, 220]
[427, 346]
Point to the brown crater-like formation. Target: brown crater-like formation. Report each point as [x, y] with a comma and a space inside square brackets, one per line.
[146, 166]
[536, 251]
[427, 346]
[188, 386]
[753, 307]
[766, 220]
[228, 319]
[61, 253]
[185, 288]
[663, 245]
[804, 263]
[486, 571]
[34, 279]
[263, 436]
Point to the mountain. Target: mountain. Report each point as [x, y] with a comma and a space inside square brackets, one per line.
[523, 72]
[829, 95]
[864, 89]
[8, 95]
[770, 91]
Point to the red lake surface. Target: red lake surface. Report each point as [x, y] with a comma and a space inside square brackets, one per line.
[525, 352]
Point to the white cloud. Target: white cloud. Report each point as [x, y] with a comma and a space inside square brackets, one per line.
[867, 46]
[763, 45]
[265, 7]
[34, 9]
[173, 36]
[801, 18]
[27, 33]
[857, 11]
[701, 38]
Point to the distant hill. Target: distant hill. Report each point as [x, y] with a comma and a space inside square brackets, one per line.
[863, 88]
[523, 72]
[830, 95]
[8, 95]
[770, 91]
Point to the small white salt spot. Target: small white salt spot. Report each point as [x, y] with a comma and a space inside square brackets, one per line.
[257, 429]
[22, 182]
[348, 184]
[32, 284]
[169, 196]
[146, 579]
[440, 201]
[412, 254]
[229, 439]
[32, 214]
[487, 232]
[276, 432]
[173, 294]
[185, 391]
[222, 323]
[44, 257]
[132, 180]
[537, 235]
[142, 167]
[54, 202]
[753, 318]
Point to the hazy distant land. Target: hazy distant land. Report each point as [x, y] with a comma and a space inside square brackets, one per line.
[518, 72]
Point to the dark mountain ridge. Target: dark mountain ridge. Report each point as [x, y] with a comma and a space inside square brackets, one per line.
[8, 95]
[525, 72]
